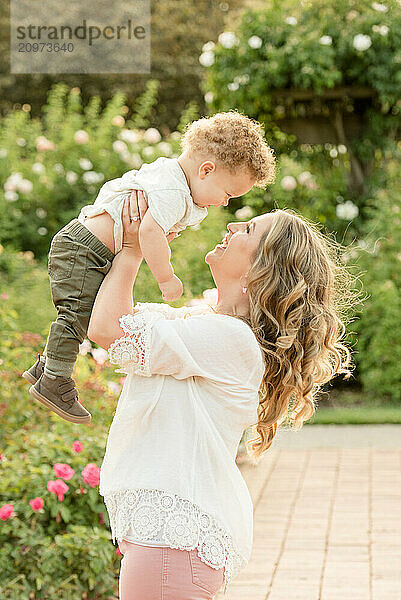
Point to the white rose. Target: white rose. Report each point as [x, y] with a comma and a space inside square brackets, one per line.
[242, 79]
[91, 177]
[41, 213]
[233, 86]
[152, 136]
[208, 46]
[148, 151]
[255, 41]
[333, 152]
[206, 59]
[291, 20]
[3, 152]
[85, 347]
[81, 137]
[165, 148]
[383, 30]
[25, 186]
[130, 136]
[42, 231]
[379, 7]
[245, 212]
[326, 40]
[288, 183]
[71, 177]
[362, 42]
[342, 149]
[136, 160]
[208, 97]
[85, 164]
[100, 355]
[119, 146]
[12, 182]
[347, 210]
[304, 177]
[11, 196]
[58, 167]
[38, 168]
[227, 39]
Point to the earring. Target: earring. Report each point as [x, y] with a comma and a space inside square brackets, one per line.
[244, 290]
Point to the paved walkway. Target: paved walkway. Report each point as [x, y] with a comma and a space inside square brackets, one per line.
[327, 516]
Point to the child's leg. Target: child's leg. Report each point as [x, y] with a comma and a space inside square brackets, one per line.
[78, 262]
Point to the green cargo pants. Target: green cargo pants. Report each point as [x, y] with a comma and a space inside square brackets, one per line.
[77, 264]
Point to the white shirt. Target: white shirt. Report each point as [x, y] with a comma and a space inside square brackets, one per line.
[167, 193]
[169, 470]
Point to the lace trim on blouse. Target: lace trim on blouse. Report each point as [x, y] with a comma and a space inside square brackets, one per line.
[148, 514]
[132, 350]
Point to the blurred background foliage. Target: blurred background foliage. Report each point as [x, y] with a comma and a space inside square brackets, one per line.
[324, 79]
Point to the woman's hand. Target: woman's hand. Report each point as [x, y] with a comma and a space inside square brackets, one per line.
[136, 206]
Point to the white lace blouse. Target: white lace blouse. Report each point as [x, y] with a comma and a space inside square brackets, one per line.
[169, 472]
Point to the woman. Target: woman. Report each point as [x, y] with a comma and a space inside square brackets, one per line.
[197, 377]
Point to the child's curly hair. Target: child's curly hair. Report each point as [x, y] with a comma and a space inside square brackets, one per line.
[235, 142]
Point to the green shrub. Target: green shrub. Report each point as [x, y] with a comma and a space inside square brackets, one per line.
[50, 168]
[379, 327]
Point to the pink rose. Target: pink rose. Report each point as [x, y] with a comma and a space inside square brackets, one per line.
[101, 518]
[37, 503]
[4, 296]
[77, 446]
[58, 487]
[6, 511]
[64, 471]
[43, 144]
[91, 474]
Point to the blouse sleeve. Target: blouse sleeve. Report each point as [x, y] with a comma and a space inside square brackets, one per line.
[170, 312]
[216, 347]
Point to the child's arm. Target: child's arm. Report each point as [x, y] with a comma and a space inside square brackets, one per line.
[157, 253]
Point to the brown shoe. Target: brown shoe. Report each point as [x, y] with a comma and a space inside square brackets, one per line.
[33, 374]
[61, 396]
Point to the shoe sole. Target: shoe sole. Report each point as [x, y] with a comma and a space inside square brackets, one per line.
[29, 377]
[35, 394]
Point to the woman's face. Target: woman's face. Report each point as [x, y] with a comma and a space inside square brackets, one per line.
[232, 258]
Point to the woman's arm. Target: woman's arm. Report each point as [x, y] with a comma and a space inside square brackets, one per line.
[114, 298]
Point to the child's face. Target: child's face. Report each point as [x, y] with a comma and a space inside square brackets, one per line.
[214, 185]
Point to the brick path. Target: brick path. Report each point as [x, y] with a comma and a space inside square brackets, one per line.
[327, 517]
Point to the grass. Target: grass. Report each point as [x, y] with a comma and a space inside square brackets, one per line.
[354, 407]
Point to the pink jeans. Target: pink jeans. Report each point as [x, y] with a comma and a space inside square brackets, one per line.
[157, 573]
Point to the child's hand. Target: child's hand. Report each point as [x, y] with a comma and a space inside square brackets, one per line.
[171, 236]
[171, 289]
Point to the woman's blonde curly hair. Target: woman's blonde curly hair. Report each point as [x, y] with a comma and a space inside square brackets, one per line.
[235, 142]
[299, 296]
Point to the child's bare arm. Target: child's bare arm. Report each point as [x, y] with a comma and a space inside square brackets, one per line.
[157, 253]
